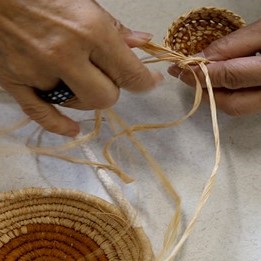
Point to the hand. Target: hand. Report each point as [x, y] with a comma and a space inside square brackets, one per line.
[236, 73]
[43, 42]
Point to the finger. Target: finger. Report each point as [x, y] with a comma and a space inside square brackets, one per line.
[137, 38]
[232, 74]
[121, 65]
[93, 89]
[243, 42]
[43, 113]
[132, 38]
[239, 102]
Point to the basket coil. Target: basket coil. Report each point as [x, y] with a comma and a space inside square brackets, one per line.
[58, 224]
[193, 32]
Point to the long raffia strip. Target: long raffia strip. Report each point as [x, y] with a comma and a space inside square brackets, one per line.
[174, 225]
[59, 224]
[65, 147]
[55, 151]
[72, 144]
[189, 35]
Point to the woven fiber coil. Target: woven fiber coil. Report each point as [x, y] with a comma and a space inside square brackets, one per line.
[193, 32]
[59, 224]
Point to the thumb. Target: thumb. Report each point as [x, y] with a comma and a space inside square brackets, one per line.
[43, 113]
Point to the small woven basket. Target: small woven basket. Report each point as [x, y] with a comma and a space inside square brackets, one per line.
[58, 224]
[193, 32]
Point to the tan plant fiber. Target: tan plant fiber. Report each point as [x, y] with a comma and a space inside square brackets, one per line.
[59, 224]
[186, 37]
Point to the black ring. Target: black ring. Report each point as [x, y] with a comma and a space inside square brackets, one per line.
[58, 95]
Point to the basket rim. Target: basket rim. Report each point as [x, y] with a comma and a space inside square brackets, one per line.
[226, 12]
[7, 197]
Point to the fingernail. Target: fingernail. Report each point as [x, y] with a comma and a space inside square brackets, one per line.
[142, 35]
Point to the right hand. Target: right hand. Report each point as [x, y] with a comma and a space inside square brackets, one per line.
[42, 42]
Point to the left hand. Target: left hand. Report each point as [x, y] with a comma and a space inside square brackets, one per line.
[236, 72]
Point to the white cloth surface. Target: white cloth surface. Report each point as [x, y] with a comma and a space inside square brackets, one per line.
[230, 225]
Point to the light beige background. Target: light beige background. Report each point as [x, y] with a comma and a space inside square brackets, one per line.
[229, 228]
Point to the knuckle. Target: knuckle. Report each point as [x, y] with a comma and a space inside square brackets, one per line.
[94, 27]
[55, 52]
[218, 48]
[228, 77]
[138, 81]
